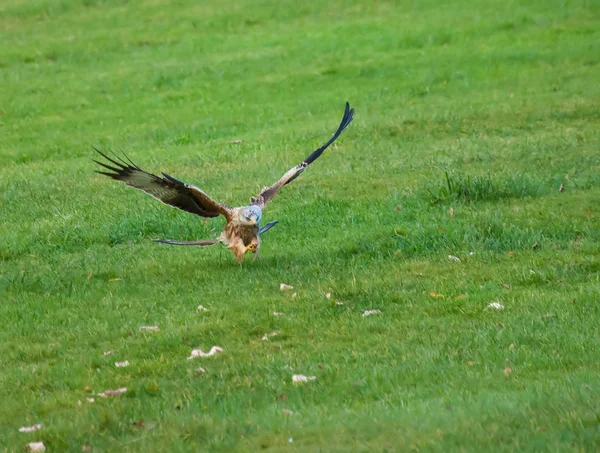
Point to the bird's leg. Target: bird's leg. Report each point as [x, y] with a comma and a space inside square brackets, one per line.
[238, 248]
[254, 246]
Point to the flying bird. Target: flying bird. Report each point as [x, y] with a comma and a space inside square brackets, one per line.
[243, 228]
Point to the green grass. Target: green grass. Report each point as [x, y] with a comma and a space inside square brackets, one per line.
[482, 109]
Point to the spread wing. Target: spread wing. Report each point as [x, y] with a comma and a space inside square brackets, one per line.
[269, 192]
[167, 189]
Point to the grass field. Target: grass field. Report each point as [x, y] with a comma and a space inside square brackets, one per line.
[470, 117]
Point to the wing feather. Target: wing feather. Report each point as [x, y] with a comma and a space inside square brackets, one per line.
[269, 192]
[168, 190]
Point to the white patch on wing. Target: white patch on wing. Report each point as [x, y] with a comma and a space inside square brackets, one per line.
[148, 183]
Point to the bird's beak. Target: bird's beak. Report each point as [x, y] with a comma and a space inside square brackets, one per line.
[252, 222]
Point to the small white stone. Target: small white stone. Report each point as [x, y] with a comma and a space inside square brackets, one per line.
[300, 378]
[202, 308]
[266, 336]
[122, 364]
[117, 392]
[149, 328]
[30, 429]
[371, 312]
[284, 287]
[199, 353]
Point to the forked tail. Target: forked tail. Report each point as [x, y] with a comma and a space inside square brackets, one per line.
[200, 243]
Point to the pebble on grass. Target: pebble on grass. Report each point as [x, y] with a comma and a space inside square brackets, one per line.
[301, 379]
[199, 353]
[36, 446]
[371, 312]
[284, 287]
[149, 328]
[30, 429]
[117, 392]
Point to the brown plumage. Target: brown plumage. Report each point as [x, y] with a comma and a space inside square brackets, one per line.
[242, 231]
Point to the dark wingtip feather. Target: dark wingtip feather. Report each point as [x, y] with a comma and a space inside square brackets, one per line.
[121, 161]
[118, 164]
[108, 167]
[346, 120]
[170, 178]
[112, 175]
[130, 162]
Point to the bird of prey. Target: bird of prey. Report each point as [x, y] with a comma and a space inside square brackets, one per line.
[243, 228]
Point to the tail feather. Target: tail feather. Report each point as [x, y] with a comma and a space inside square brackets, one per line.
[203, 243]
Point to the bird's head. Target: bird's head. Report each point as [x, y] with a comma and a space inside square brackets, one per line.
[250, 215]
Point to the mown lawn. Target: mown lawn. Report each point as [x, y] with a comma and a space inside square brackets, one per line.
[476, 136]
